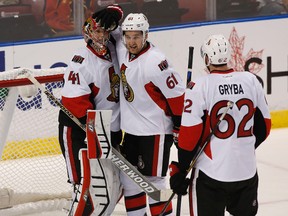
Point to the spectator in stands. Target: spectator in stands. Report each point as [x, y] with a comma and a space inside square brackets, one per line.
[285, 2]
[273, 7]
[58, 15]
[236, 8]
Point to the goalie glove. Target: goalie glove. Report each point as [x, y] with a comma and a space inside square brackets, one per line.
[178, 181]
[109, 17]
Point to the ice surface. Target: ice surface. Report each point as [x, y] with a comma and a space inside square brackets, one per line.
[272, 162]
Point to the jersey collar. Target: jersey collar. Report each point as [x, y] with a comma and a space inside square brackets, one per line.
[222, 71]
[135, 56]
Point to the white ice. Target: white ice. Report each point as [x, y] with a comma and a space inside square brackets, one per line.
[272, 159]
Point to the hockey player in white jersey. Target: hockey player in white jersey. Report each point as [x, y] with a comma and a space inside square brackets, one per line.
[225, 175]
[91, 81]
[151, 103]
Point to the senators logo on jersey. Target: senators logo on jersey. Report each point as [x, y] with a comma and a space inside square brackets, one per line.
[114, 85]
[128, 92]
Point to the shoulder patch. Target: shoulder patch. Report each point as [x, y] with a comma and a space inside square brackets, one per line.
[78, 59]
[163, 65]
[190, 85]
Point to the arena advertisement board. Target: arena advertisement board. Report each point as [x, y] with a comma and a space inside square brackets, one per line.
[259, 46]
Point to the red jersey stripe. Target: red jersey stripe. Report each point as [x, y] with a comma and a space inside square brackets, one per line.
[156, 155]
[71, 157]
[156, 208]
[156, 95]
[83, 104]
[135, 202]
[189, 136]
[174, 104]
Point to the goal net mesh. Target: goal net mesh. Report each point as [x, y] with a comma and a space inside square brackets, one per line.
[32, 166]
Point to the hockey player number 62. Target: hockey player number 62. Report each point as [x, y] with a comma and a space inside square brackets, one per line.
[245, 104]
[242, 131]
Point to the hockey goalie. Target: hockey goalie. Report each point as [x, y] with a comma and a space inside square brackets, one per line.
[91, 81]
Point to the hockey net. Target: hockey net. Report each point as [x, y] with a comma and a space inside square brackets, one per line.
[32, 167]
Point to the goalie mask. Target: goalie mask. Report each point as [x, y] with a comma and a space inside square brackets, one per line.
[136, 22]
[96, 36]
[216, 48]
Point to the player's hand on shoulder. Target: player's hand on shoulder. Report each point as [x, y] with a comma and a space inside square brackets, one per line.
[109, 17]
[178, 181]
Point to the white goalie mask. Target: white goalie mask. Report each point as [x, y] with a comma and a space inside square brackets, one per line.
[92, 36]
[216, 48]
[136, 22]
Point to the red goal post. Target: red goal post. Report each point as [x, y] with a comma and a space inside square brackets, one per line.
[31, 165]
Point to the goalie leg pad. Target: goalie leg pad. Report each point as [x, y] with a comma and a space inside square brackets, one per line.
[100, 188]
[105, 187]
[85, 202]
[98, 133]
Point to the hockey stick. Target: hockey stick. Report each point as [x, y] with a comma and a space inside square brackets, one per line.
[189, 77]
[116, 158]
[190, 63]
[194, 160]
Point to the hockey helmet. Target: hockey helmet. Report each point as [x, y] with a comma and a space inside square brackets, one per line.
[91, 36]
[216, 48]
[135, 22]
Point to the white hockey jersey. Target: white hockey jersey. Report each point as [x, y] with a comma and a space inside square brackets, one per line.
[92, 82]
[230, 154]
[151, 91]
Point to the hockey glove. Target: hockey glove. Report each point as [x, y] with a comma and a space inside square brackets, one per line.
[178, 181]
[109, 17]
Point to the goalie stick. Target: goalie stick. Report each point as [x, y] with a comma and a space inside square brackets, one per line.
[197, 155]
[116, 157]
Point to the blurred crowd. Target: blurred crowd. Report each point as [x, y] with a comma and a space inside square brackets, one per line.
[250, 8]
[32, 19]
[273, 7]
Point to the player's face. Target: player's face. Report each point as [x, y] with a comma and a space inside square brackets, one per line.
[100, 36]
[134, 41]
